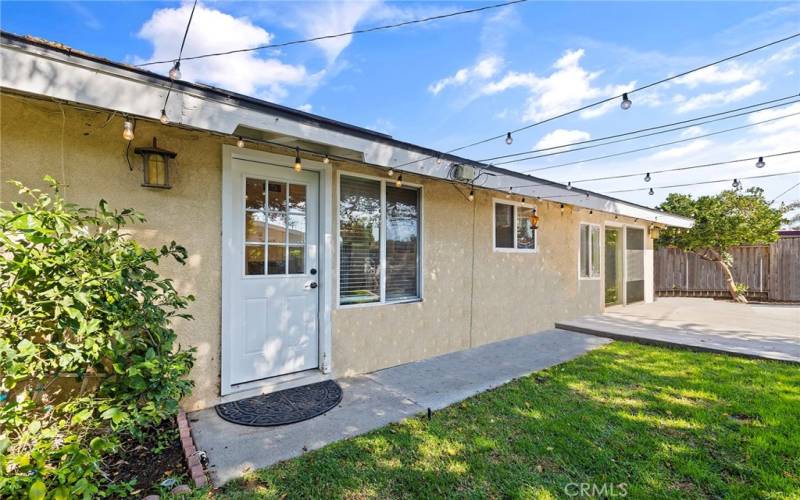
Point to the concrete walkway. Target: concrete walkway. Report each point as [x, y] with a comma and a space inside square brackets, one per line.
[751, 330]
[376, 399]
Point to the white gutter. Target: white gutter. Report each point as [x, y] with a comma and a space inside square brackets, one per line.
[32, 69]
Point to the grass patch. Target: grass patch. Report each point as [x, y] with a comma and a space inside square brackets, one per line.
[665, 423]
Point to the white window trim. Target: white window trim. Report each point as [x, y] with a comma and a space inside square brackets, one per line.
[515, 204]
[599, 248]
[420, 246]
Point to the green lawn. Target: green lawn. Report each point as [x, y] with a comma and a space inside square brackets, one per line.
[663, 423]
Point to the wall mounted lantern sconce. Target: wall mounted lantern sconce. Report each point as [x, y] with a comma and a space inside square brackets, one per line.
[156, 165]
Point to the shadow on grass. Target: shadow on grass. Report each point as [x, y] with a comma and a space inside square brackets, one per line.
[665, 423]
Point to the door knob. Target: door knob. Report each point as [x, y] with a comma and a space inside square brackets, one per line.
[313, 285]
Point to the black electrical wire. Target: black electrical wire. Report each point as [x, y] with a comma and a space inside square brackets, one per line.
[705, 182]
[338, 35]
[655, 146]
[632, 132]
[691, 167]
[783, 193]
[180, 53]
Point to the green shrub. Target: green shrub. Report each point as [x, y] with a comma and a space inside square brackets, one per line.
[87, 353]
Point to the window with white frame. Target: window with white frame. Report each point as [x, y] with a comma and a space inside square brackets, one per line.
[514, 227]
[379, 233]
[590, 251]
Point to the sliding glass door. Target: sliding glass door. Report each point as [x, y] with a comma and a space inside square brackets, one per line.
[613, 265]
[634, 265]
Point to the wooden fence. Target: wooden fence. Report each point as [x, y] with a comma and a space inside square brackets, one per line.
[771, 272]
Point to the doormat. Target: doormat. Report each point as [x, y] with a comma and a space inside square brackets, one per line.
[283, 407]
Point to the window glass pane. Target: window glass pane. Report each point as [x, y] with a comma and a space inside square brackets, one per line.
[584, 251]
[254, 226]
[277, 228]
[254, 194]
[297, 198]
[277, 196]
[297, 228]
[402, 242]
[276, 259]
[503, 225]
[595, 233]
[359, 234]
[296, 260]
[254, 259]
[525, 232]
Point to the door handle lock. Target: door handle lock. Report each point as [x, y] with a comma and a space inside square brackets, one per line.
[313, 285]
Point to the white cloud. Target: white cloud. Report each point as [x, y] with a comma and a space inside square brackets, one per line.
[721, 97]
[214, 31]
[681, 151]
[692, 132]
[561, 137]
[485, 68]
[331, 16]
[731, 73]
[305, 107]
[789, 123]
[570, 86]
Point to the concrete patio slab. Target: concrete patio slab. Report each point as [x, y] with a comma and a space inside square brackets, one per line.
[374, 400]
[751, 330]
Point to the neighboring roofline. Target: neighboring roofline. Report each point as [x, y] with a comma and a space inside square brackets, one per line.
[304, 118]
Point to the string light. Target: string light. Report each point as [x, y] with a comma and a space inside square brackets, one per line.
[175, 72]
[626, 102]
[562, 209]
[326, 160]
[164, 120]
[736, 184]
[471, 196]
[127, 130]
[569, 186]
[399, 181]
[509, 139]
[240, 142]
[647, 177]
[298, 165]
[390, 173]
[760, 163]
[591, 212]
[523, 200]
[651, 192]
[508, 194]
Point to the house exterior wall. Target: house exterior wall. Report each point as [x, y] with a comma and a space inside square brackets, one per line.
[472, 295]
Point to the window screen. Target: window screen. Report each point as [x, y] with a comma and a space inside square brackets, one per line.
[503, 225]
[402, 246]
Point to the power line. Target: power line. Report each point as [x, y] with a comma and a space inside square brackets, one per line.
[609, 99]
[655, 146]
[783, 193]
[706, 182]
[691, 167]
[338, 35]
[632, 132]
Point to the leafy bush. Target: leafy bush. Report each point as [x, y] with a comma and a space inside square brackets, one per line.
[87, 353]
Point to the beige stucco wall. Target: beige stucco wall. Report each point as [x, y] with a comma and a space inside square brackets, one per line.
[503, 295]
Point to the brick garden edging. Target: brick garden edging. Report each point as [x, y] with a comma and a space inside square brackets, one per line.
[190, 451]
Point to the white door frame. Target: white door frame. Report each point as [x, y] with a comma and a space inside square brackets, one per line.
[623, 229]
[230, 269]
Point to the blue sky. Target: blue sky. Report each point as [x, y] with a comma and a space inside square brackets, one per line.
[452, 82]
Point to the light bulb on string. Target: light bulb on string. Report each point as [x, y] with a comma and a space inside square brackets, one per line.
[626, 103]
[651, 192]
[760, 163]
[164, 120]
[508, 194]
[127, 130]
[240, 142]
[175, 72]
[509, 139]
[471, 196]
[569, 186]
[390, 173]
[399, 181]
[736, 184]
[298, 164]
[326, 160]
[647, 177]
[562, 209]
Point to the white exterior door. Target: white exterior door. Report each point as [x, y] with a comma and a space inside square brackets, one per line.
[271, 245]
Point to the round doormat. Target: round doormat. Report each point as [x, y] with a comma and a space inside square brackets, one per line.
[283, 407]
